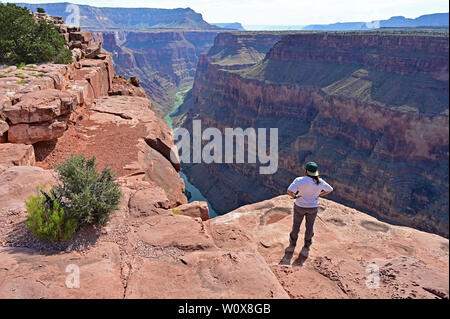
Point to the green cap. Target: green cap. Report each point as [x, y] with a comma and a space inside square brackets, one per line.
[312, 169]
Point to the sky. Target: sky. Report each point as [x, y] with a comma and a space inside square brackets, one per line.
[284, 12]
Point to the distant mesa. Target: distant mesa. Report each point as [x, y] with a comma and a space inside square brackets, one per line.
[231, 26]
[264, 27]
[132, 19]
[428, 20]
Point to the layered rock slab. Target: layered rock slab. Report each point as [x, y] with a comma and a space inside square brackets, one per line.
[180, 246]
[410, 263]
[205, 275]
[3, 129]
[16, 155]
[120, 86]
[18, 183]
[131, 110]
[158, 255]
[38, 100]
[194, 209]
[26, 274]
[39, 116]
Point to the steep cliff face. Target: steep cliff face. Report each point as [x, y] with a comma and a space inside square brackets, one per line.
[382, 52]
[103, 18]
[38, 101]
[50, 111]
[164, 61]
[371, 109]
[238, 50]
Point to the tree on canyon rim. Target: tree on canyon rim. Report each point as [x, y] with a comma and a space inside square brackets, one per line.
[22, 39]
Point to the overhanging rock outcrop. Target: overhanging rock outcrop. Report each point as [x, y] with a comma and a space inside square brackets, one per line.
[40, 103]
[37, 100]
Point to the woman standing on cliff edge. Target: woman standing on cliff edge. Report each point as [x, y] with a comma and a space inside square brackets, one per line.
[307, 190]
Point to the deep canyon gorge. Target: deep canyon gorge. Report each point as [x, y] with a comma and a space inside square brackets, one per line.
[371, 108]
[355, 103]
[164, 61]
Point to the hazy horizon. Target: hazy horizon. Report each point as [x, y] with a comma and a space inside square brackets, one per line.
[284, 12]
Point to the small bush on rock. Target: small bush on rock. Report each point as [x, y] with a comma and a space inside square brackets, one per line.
[82, 197]
[88, 196]
[47, 220]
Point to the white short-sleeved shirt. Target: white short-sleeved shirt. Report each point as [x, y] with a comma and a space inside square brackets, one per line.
[308, 191]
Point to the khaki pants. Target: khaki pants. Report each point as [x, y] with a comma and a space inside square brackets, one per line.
[310, 214]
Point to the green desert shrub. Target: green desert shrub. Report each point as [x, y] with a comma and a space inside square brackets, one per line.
[22, 40]
[87, 195]
[21, 66]
[47, 220]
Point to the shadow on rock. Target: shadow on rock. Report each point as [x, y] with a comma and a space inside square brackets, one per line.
[44, 149]
[301, 257]
[21, 237]
[288, 253]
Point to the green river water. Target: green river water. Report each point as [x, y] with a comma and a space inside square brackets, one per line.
[196, 195]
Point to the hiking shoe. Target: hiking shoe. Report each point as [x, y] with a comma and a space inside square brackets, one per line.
[304, 252]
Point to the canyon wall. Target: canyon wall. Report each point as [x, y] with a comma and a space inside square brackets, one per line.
[424, 21]
[156, 245]
[371, 109]
[159, 46]
[163, 60]
[104, 18]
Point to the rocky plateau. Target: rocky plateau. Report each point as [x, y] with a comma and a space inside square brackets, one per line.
[157, 245]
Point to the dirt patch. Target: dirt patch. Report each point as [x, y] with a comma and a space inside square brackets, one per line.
[113, 145]
[143, 249]
[50, 153]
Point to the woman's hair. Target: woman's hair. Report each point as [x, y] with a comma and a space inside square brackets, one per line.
[315, 178]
